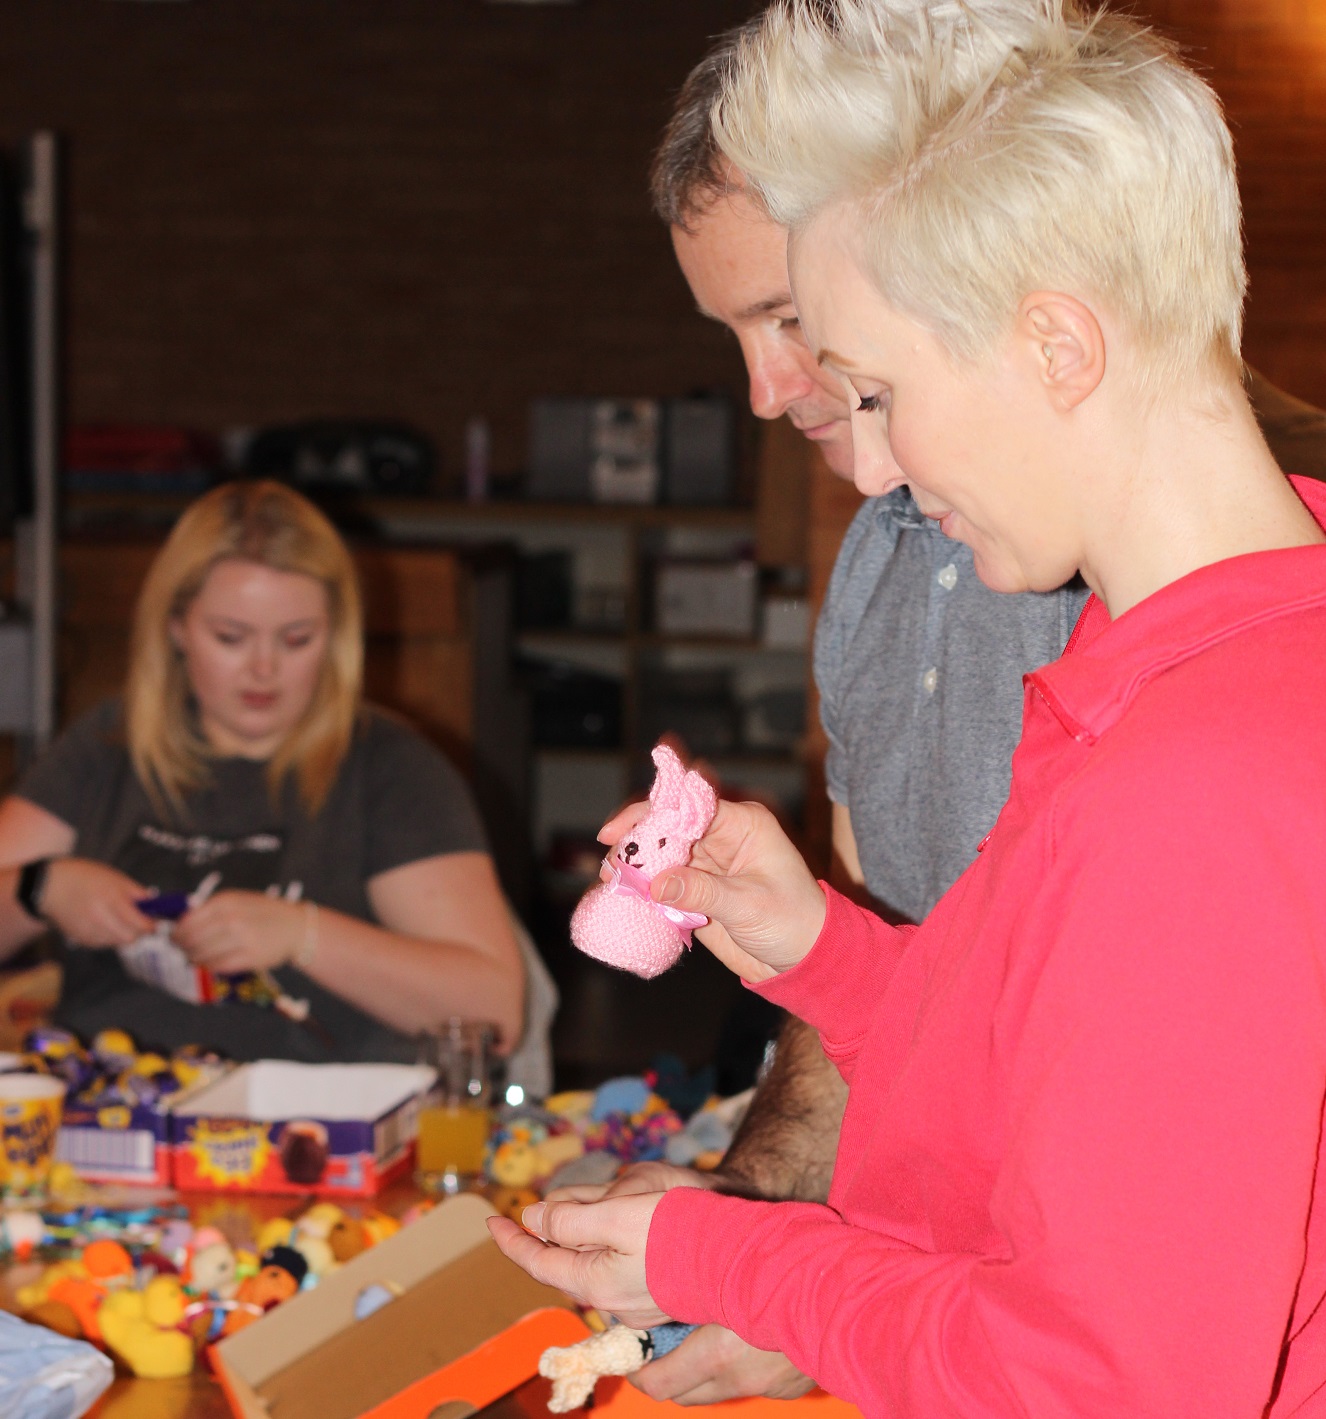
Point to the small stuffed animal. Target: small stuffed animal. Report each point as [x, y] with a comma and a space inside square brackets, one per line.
[619, 1350]
[617, 922]
[575, 1369]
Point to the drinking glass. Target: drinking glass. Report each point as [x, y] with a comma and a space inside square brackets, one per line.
[455, 1118]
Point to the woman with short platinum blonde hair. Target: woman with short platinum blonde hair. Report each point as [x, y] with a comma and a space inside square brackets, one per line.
[1081, 1167]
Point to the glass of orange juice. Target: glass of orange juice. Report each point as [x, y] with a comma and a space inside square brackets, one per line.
[455, 1117]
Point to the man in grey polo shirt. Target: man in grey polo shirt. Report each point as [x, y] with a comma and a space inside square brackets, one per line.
[919, 668]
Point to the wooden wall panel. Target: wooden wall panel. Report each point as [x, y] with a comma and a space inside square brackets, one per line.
[1267, 60]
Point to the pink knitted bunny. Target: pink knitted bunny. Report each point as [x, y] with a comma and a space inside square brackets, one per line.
[617, 922]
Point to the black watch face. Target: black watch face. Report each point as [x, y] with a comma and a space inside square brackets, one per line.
[31, 881]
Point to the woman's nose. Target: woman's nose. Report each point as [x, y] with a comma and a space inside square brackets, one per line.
[873, 470]
[263, 659]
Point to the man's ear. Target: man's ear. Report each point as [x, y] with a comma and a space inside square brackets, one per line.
[1066, 344]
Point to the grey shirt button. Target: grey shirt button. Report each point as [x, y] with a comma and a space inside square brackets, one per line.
[929, 680]
[948, 577]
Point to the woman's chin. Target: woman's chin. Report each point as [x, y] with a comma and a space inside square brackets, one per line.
[999, 576]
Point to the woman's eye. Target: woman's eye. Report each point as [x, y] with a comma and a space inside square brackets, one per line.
[298, 642]
[869, 404]
[228, 637]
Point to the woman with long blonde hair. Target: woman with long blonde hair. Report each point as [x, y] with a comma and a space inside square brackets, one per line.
[240, 825]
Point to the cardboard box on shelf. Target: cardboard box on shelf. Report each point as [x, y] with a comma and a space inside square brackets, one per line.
[462, 1337]
[706, 598]
[280, 1126]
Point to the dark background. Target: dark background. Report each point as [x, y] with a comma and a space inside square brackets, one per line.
[434, 209]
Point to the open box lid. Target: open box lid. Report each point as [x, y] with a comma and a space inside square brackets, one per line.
[310, 1358]
[280, 1089]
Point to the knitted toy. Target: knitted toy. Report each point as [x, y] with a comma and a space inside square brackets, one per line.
[619, 1350]
[617, 922]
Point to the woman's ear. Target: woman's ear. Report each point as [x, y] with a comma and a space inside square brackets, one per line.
[1066, 344]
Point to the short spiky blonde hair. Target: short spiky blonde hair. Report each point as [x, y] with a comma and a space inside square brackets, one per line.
[996, 147]
[271, 524]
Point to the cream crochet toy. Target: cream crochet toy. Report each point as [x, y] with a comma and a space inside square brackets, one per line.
[617, 922]
[619, 1350]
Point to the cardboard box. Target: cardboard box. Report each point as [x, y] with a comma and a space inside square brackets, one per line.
[705, 598]
[310, 1358]
[500, 1380]
[279, 1126]
[114, 1143]
[463, 1336]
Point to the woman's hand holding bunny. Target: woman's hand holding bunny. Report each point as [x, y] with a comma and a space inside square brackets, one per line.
[764, 906]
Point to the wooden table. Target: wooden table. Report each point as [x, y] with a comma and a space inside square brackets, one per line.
[199, 1396]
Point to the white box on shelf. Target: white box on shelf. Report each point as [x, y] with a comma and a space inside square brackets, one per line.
[706, 598]
[786, 623]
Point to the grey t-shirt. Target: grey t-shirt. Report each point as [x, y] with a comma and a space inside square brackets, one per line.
[919, 667]
[395, 800]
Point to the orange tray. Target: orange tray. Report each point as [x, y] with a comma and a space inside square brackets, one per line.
[501, 1366]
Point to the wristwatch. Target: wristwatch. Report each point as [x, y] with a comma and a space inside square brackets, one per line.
[31, 886]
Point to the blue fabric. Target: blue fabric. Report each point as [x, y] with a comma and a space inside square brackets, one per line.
[667, 1337]
[47, 1376]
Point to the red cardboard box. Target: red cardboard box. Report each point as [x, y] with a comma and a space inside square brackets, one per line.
[116, 1143]
[279, 1126]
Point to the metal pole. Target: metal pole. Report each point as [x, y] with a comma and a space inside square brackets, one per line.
[41, 215]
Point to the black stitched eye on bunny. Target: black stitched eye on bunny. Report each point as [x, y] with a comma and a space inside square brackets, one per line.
[631, 850]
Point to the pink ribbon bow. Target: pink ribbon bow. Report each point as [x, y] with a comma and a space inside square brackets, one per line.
[624, 880]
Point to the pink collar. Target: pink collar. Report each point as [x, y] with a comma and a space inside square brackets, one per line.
[624, 880]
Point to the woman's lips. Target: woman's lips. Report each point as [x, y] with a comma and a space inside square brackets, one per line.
[258, 699]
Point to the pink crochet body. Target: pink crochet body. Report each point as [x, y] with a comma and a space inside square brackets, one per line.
[616, 922]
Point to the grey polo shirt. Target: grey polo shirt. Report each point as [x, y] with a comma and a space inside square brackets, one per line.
[919, 668]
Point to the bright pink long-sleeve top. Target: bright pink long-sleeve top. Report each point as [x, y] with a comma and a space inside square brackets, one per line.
[1079, 1169]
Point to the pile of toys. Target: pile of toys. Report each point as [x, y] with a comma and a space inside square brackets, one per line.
[588, 1136]
[112, 1073]
[166, 1290]
[133, 1274]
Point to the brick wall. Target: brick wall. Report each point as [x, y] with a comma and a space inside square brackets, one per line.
[1267, 60]
[426, 209]
[430, 209]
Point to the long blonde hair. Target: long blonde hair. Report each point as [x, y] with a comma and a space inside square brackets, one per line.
[270, 524]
